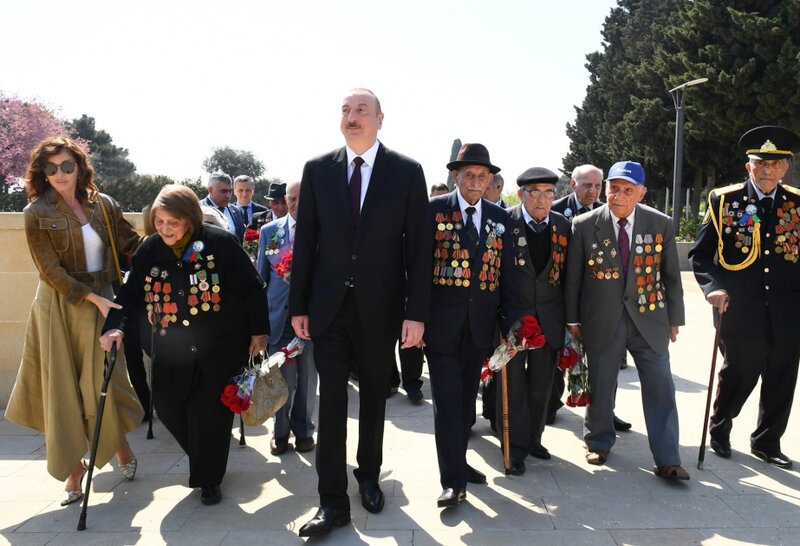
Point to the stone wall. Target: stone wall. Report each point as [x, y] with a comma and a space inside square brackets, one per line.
[18, 280]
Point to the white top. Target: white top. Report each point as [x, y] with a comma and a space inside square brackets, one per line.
[366, 167]
[93, 247]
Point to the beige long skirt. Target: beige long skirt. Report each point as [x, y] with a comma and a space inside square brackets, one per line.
[59, 381]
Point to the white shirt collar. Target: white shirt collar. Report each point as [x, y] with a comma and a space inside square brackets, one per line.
[761, 195]
[368, 156]
[615, 218]
[528, 218]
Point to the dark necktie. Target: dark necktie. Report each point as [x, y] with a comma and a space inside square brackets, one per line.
[471, 230]
[246, 209]
[582, 210]
[355, 189]
[766, 205]
[537, 227]
[624, 245]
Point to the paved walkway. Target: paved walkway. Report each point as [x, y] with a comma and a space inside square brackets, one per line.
[563, 501]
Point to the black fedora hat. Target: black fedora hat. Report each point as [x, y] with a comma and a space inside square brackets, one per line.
[769, 142]
[473, 154]
[276, 191]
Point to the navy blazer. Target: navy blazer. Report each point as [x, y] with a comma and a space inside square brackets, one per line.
[236, 213]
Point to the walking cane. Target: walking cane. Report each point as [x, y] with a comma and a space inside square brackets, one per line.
[152, 371]
[506, 435]
[242, 442]
[702, 455]
[110, 361]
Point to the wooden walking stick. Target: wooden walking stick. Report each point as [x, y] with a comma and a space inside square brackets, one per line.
[702, 455]
[506, 435]
[110, 361]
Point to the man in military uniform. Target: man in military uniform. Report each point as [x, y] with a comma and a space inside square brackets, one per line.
[469, 283]
[745, 259]
[539, 239]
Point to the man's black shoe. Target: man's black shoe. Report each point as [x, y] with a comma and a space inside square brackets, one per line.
[540, 452]
[624, 364]
[210, 494]
[474, 476]
[775, 458]
[721, 447]
[415, 395]
[451, 497]
[371, 496]
[278, 446]
[323, 521]
[304, 445]
[517, 468]
[620, 425]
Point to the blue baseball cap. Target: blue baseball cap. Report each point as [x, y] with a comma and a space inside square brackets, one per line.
[629, 171]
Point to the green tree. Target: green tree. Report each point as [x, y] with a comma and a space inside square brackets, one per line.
[110, 162]
[233, 163]
[135, 192]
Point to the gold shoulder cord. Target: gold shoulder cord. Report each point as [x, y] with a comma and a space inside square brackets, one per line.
[755, 249]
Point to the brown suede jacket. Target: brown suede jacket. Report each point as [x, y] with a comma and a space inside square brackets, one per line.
[56, 243]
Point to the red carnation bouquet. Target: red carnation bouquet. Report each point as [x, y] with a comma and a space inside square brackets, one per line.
[236, 395]
[250, 243]
[284, 268]
[573, 360]
[526, 334]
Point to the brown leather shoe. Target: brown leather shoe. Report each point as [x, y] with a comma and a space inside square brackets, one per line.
[278, 446]
[597, 456]
[671, 472]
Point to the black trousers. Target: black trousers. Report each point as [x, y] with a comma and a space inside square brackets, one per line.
[759, 354]
[455, 369]
[411, 360]
[530, 379]
[342, 345]
[199, 422]
[135, 361]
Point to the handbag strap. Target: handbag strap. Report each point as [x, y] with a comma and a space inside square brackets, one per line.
[111, 238]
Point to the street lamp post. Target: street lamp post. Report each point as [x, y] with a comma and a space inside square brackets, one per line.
[679, 98]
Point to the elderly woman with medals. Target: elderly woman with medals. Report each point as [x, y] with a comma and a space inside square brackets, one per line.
[207, 308]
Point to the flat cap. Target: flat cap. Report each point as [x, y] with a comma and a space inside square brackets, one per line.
[537, 175]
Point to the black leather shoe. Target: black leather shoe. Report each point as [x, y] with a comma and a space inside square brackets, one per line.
[775, 458]
[210, 494]
[415, 395]
[624, 364]
[540, 452]
[323, 521]
[721, 447]
[473, 476]
[517, 468]
[451, 497]
[620, 425]
[304, 445]
[278, 446]
[371, 496]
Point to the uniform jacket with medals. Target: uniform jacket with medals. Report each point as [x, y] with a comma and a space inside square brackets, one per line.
[597, 292]
[384, 259]
[473, 285]
[542, 294]
[273, 246]
[761, 252]
[208, 305]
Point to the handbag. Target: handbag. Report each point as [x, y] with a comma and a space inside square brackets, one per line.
[270, 393]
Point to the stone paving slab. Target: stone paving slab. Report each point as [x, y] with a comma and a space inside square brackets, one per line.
[562, 501]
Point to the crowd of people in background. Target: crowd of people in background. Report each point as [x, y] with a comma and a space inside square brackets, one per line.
[366, 263]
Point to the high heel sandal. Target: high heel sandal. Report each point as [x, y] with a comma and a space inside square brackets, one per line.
[128, 470]
[76, 494]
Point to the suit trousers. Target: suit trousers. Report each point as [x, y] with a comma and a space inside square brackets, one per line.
[342, 345]
[530, 375]
[411, 360]
[658, 394]
[301, 378]
[747, 358]
[455, 369]
[200, 423]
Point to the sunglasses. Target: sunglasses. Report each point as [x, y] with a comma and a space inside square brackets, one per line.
[67, 167]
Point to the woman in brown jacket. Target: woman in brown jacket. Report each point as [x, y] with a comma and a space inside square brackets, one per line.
[59, 380]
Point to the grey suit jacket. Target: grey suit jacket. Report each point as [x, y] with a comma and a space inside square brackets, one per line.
[597, 293]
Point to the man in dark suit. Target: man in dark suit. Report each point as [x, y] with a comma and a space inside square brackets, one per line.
[745, 259]
[471, 256]
[494, 191]
[586, 184]
[278, 208]
[539, 241]
[361, 278]
[219, 195]
[243, 187]
[623, 291]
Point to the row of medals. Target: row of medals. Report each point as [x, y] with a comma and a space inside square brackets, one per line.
[743, 238]
[788, 224]
[458, 272]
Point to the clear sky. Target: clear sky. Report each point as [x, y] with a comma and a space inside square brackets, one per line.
[170, 80]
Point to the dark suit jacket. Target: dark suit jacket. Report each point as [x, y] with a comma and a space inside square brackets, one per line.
[596, 297]
[386, 258]
[569, 206]
[236, 214]
[540, 295]
[747, 287]
[451, 304]
[260, 219]
[255, 208]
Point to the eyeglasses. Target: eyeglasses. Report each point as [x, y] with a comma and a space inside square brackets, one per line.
[67, 167]
[536, 194]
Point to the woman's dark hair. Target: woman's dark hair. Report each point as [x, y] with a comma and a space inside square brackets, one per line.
[36, 183]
